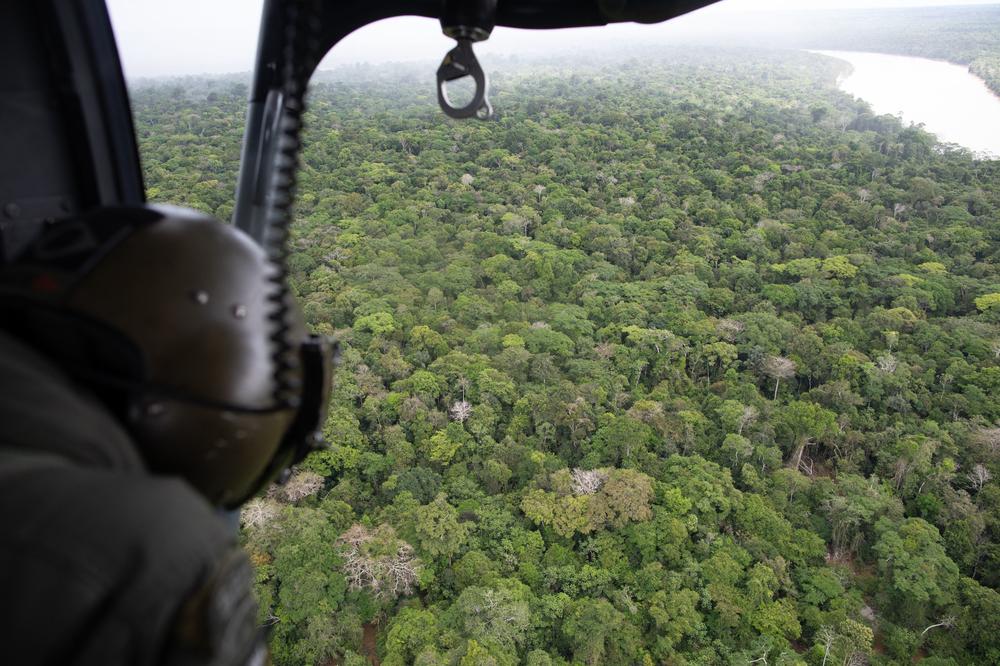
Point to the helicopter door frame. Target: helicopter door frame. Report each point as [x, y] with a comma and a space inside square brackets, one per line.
[65, 118]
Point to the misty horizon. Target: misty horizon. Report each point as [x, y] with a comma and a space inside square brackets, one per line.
[225, 43]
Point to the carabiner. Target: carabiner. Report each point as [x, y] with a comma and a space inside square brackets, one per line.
[457, 63]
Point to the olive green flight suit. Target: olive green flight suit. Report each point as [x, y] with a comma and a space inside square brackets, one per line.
[100, 561]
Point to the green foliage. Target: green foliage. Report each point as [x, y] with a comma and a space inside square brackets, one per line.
[558, 378]
[988, 301]
[915, 563]
[618, 497]
[437, 527]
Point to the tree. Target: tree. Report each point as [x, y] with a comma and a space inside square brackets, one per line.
[621, 440]
[988, 302]
[379, 323]
[802, 424]
[597, 633]
[494, 615]
[979, 476]
[259, 512]
[778, 368]
[300, 486]
[623, 498]
[438, 529]
[853, 509]
[584, 502]
[915, 563]
[675, 616]
[776, 619]
[988, 438]
[312, 588]
[736, 447]
[827, 637]
[460, 410]
[378, 562]
[410, 631]
[948, 622]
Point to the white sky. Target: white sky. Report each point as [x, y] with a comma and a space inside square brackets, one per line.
[179, 37]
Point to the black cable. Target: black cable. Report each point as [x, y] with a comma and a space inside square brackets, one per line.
[301, 45]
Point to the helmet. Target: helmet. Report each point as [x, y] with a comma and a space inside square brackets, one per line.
[185, 328]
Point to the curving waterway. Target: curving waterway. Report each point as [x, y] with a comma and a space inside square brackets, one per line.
[949, 101]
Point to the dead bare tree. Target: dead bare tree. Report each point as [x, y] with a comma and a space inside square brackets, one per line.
[300, 486]
[856, 659]
[828, 637]
[988, 438]
[749, 415]
[948, 622]
[979, 476]
[887, 363]
[729, 329]
[588, 481]
[778, 368]
[460, 410]
[378, 561]
[259, 512]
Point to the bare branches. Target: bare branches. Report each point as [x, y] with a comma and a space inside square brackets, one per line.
[729, 329]
[460, 410]
[948, 622]
[259, 512]
[378, 561]
[827, 636]
[989, 438]
[778, 368]
[588, 481]
[856, 659]
[979, 476]
[749, 415]
[300, 486]
[887, 363]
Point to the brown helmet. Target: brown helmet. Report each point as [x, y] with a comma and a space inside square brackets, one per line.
[178, 322]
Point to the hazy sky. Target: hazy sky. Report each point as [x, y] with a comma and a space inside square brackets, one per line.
[160, 38]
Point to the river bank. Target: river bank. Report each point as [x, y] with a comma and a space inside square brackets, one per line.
[945, 98]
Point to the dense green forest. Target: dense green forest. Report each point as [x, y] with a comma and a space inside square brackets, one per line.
[687, 359]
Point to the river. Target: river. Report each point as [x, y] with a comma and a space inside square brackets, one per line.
[949, 101]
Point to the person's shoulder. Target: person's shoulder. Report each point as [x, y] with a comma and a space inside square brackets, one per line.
[42, 409]
[126, 555]
[106, 516]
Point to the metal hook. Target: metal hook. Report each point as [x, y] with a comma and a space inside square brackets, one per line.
[457, 63]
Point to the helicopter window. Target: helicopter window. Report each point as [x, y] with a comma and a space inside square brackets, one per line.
[689, 354]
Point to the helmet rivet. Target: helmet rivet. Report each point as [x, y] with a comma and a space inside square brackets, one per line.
[200, 297]
[240, 311]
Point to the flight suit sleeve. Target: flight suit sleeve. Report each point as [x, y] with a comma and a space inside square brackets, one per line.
[100, 567]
